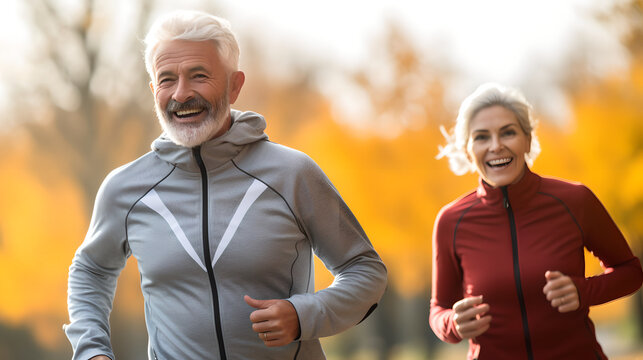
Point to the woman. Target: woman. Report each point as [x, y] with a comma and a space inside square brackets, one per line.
[508, 260]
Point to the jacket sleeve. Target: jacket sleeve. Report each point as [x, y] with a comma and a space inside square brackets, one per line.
[340, 242]
[92, 278]
[446, 284]
[622, 273]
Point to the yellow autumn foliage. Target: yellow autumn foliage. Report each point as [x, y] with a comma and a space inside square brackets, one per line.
[40, 224]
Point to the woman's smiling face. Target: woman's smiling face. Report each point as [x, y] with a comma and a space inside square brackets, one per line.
[497, 146]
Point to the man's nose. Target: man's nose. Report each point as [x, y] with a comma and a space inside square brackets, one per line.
[183, 91]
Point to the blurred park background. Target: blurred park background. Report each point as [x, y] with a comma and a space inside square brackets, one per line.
[362, 87]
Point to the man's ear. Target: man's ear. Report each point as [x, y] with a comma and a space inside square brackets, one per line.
[237, 78]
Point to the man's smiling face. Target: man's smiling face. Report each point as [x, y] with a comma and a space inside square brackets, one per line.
[192, 91]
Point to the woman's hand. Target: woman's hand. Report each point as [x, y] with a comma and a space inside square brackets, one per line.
[561, 292]
[470, 317]
[100, 357]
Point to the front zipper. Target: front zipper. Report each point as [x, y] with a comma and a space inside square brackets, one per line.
[516, 266]
[206, 251]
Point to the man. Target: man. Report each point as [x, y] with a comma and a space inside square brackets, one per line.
[222, 222]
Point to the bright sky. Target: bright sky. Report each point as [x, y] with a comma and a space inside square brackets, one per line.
[518, 42]
[491, 38]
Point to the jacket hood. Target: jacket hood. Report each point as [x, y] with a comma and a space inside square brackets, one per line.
[247, 127]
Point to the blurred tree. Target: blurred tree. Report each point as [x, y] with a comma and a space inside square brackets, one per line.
[287, 104]
[87, 91]
[404, 90]
[41, 223]
[18, 343]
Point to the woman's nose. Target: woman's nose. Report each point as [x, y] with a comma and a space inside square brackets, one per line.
[496, 145]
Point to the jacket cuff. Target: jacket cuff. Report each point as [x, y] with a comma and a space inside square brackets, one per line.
[88, 354]
[581, 288]
[298, 338]
[308, 310]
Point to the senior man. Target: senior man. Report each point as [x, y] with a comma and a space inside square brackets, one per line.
[223, 223]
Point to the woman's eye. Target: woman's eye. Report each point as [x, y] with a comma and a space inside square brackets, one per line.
[509, 133]
[479, 137]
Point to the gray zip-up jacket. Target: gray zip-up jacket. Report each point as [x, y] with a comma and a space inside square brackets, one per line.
[238, 215]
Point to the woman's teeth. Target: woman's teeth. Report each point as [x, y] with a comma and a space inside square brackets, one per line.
[499, 162]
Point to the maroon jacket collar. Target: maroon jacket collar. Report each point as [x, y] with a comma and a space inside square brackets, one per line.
[519, 193]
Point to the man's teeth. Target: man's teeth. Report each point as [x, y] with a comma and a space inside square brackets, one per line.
[497, 162]
[188, 112]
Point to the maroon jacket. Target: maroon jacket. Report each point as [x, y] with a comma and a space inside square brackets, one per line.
[499, 242]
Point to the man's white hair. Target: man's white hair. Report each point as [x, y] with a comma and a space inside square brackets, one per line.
[192, 26]
[484, 96]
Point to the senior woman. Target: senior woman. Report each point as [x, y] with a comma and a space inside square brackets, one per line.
[508, 259]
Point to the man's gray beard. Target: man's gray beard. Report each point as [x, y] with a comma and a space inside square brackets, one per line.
[194, 134]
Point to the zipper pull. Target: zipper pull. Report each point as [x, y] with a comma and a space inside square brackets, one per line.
[505, 197]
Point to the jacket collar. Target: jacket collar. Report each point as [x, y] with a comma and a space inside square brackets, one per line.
[247, 127]
[519, 193]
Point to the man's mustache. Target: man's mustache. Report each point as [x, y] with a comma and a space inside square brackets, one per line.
[194, 103]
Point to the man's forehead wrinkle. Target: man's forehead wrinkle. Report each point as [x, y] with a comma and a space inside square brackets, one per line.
[183, 66]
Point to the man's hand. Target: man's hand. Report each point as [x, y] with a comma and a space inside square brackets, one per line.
[561, 292]
[275, 321]
[470, 317]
